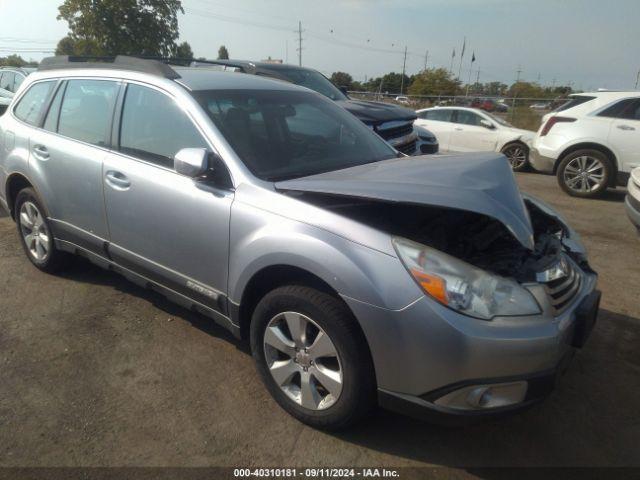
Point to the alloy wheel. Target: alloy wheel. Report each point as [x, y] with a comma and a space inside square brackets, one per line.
[584, 174]
[517, 156]
[303, 360]
[34, 231]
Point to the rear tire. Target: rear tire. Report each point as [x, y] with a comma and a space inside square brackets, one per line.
[35, 233]
[584, 173]
[336, 390]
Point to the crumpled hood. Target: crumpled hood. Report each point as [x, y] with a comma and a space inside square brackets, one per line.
[481, 183]
[376, 112]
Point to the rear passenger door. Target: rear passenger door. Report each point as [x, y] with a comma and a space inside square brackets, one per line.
[167, 227]
[66, 156]
[624, 133]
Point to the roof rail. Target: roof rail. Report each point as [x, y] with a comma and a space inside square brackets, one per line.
[193, 62]
[120, 62]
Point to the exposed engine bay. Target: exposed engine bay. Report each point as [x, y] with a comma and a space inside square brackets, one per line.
[475, 238]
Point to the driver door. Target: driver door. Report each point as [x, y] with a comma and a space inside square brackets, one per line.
[167, 227]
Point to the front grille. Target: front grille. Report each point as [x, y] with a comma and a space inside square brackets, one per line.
[392, 130]
[563, 290]
[407, 148]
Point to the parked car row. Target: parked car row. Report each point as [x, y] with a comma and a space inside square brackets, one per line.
[359, 276]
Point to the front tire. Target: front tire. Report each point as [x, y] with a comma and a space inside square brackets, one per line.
[518, 156]
[35, 233]
[584, 173]
[312, 357]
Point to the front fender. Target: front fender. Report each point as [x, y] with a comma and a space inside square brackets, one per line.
[260, 239]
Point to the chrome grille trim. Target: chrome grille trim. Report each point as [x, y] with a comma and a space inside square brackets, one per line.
[562, 291]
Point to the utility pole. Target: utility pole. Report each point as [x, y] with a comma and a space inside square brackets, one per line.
[300, 44]
[637, 79]
[286, 51]
[478, 80]
[513, 102]
[518, 72]
[426, 58]
[404, 65]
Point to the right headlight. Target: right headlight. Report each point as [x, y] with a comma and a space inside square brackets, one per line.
[463, 287]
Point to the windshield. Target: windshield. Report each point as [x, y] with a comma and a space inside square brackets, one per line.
[312, 80]
[498, 120]
[288, 134]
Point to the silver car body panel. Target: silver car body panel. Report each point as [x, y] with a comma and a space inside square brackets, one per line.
[201, 246]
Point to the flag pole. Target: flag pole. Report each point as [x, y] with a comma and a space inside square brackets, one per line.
[464, 44]
[473, 58]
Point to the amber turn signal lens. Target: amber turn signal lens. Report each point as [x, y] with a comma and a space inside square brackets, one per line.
[432, 284]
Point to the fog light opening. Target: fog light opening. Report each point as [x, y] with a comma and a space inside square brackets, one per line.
[484, 397]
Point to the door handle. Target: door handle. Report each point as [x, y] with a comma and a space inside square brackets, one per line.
[626, 127]
[40, 152]
[117, 180]
[459, 129]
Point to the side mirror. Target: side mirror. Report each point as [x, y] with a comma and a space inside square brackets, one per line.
[487, 124]
[343, 89]
[191, 162]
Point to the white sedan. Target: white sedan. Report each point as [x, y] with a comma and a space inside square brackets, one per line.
[461, 129]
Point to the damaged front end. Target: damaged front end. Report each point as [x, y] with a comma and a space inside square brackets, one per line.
[486, 223]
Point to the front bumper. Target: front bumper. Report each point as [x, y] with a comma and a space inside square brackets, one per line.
[540, 162]
[427, 351]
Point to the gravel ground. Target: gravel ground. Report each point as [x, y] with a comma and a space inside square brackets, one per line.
[97, 372]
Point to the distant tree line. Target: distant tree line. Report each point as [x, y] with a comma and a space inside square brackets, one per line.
[16, 61]
[441, 82]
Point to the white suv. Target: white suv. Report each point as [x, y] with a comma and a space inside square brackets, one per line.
[591, 142]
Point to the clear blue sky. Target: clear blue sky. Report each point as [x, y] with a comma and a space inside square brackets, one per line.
[593, 43]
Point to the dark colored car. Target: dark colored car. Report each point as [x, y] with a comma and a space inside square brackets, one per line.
[392, 122]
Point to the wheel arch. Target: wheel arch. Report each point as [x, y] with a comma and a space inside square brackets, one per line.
[15, 183]
[591, 146]
[270, 278]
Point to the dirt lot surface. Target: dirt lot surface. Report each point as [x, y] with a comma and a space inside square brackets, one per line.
[97, 372]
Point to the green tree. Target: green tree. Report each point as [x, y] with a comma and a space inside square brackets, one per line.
[223, 53]
[80, 46]
[184, 51]
[434, 81]
[121, 27]
[342, 79]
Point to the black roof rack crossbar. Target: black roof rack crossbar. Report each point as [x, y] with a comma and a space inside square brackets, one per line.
[121, 62]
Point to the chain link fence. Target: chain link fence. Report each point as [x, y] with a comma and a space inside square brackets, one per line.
[524, 113]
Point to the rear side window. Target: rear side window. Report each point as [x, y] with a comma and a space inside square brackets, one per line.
[574, 102]
[625, 109]
[6, 82]
[31, 105]
[437, 115]
[154, 128]
[86, 110]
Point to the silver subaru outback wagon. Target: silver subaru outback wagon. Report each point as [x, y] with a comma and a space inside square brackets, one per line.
[360, 277]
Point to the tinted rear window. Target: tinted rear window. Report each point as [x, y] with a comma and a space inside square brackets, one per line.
[30, 106]
[574, 102]
[86, 110]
